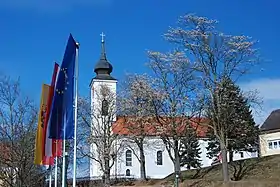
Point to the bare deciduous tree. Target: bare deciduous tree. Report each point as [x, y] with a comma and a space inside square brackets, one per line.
[215, 55]
[137, 111]
[175, 104]
[18, 123]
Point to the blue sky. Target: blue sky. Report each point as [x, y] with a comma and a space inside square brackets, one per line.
[34, 35]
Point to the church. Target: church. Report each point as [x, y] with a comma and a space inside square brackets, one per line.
[126, 161]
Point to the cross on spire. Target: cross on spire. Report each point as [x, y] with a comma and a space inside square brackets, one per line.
[103, 68]
[102, 37]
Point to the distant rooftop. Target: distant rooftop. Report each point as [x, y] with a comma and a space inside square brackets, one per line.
[272, 122]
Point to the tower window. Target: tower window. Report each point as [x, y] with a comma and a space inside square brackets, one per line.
[105, 107]
[159, 157]
[128, 158]
[127, 172]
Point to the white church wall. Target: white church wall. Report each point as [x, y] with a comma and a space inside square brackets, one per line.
[153, 170]
[150, 150]
[160, 171]
[151, 146]
[95, 170]
[243, 155]
[205, 161]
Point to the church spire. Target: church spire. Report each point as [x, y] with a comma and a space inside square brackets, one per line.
[103, 53]
[103, 68]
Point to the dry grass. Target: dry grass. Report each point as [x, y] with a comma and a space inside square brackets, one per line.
[265, 168]
[205, 183]
[257, 172]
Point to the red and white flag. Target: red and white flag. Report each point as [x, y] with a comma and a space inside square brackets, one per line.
[52, 148]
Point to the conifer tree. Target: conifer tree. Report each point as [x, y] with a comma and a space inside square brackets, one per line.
[190, 150]
[241, 132]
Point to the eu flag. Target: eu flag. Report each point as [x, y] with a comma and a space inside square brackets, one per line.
[62, 113]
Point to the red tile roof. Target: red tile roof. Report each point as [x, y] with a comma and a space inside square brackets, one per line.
[150, 126]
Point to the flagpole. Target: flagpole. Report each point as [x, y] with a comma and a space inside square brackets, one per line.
[76, 114]
[50, 177]
[63, 163]
[55, 172]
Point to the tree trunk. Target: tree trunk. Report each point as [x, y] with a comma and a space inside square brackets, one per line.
[176, 162]
[224, 162]
[230, 156]
[142, 162]
[106, 171]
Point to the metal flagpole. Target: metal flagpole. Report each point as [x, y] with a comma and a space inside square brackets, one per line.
[50, 177]
[63, 164]
[55, 172]
[76, 114]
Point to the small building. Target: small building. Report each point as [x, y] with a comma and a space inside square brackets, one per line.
[270, 135]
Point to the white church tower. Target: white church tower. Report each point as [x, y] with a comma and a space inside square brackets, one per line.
[103, 70]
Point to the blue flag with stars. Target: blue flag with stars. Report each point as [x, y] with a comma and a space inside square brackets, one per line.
[61, 124]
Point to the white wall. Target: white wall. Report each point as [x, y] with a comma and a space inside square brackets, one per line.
[160, 171]
[95, 170]
[243, 155]
[95, 87]
[205, 161]
[151, 147]
[152, 169]
[274, 147]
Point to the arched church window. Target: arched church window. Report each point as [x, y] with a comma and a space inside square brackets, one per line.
[105, 107]
[159, 157]
[127, 172]
[128, 158]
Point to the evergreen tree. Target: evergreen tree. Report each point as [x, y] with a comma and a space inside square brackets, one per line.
[241, 131]
[190, 150]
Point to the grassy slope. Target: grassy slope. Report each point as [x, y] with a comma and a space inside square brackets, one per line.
[263, 168]
[263, 171]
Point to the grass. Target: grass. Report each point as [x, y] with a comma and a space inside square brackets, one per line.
[256, 172]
